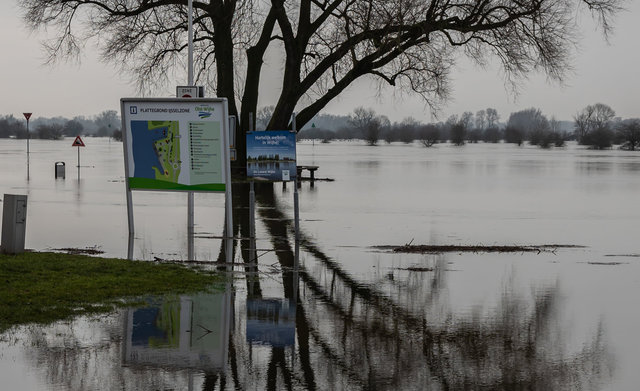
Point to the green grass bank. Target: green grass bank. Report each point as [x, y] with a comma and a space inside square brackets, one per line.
[41, 287]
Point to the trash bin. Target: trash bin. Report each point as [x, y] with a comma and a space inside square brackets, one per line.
[14, 222]
[59, 170]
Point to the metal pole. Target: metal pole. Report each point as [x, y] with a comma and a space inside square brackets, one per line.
[190, 17]
[228, 205]
[190, 226]
[28, 137]
[252, 222]
[252, 210]
[296, 205]
[130, 247]
[130, 210]
[296, 214]
[190, 197]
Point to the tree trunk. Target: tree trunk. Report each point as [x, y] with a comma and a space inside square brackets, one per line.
[222, 16]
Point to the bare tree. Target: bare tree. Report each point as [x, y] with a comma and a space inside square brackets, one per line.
[492, 117]
[385, 124]
[327, 44]
[528, 124]
[428, 134]
[629, 133]
[368, 123]
[466, 120]
[406, 130]
[107, 122]
[457, 127]
[593, 126]
[52, 131]
[11, 126]
[481, 119]
[73, 128]
[557, 136]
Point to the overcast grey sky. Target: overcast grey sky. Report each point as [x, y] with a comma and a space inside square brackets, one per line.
[607, 73]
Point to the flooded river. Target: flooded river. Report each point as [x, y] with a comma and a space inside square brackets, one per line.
[352, 316]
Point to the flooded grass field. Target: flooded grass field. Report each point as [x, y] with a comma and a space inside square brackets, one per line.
[355, 314]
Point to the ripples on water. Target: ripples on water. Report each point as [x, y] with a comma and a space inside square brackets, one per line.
[352, 317]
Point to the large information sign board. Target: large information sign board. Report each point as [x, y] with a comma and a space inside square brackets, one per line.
[271, 155]
[176, 144]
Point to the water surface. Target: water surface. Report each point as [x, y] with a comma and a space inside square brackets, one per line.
[353, 316]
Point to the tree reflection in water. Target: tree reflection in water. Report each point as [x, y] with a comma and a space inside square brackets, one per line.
[351, 334]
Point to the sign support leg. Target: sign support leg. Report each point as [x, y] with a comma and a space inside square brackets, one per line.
[252, 223]
[252, 211]
[296, 213]
[28, 137]
[190, 229]
[130, 222]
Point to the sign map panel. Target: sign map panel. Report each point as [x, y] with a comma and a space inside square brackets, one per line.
[176, 144]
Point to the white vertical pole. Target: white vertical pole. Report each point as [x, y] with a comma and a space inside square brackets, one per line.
[190, 197]
[228, 196]
[296, 218]
[252, 211]
[190, 226]
[28, 137]
[252, 222]
[190, 17]
[296, 206]
[125, 144]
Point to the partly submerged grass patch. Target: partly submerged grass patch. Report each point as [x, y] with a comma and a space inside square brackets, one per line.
[44, 287]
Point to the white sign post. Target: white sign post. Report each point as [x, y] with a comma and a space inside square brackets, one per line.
[176, 145]
[78, 143]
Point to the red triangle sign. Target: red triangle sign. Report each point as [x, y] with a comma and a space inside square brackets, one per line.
[27, 115]
[77, 142]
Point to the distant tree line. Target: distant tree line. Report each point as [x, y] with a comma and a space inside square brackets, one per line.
[105, 124]
[595, 126]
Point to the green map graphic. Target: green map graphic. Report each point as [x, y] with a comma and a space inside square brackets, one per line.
[157, 160]
[167, 149]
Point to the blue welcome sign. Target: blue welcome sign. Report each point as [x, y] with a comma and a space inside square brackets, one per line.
[271, 155]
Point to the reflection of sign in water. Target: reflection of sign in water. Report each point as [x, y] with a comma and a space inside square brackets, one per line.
[271, 321]
[176, 144]
[185, 332]
[271, 155]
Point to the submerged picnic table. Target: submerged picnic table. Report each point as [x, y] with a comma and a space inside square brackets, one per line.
[311, 169]
[299, 169]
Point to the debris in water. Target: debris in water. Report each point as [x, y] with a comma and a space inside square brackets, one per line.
[437, 249]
